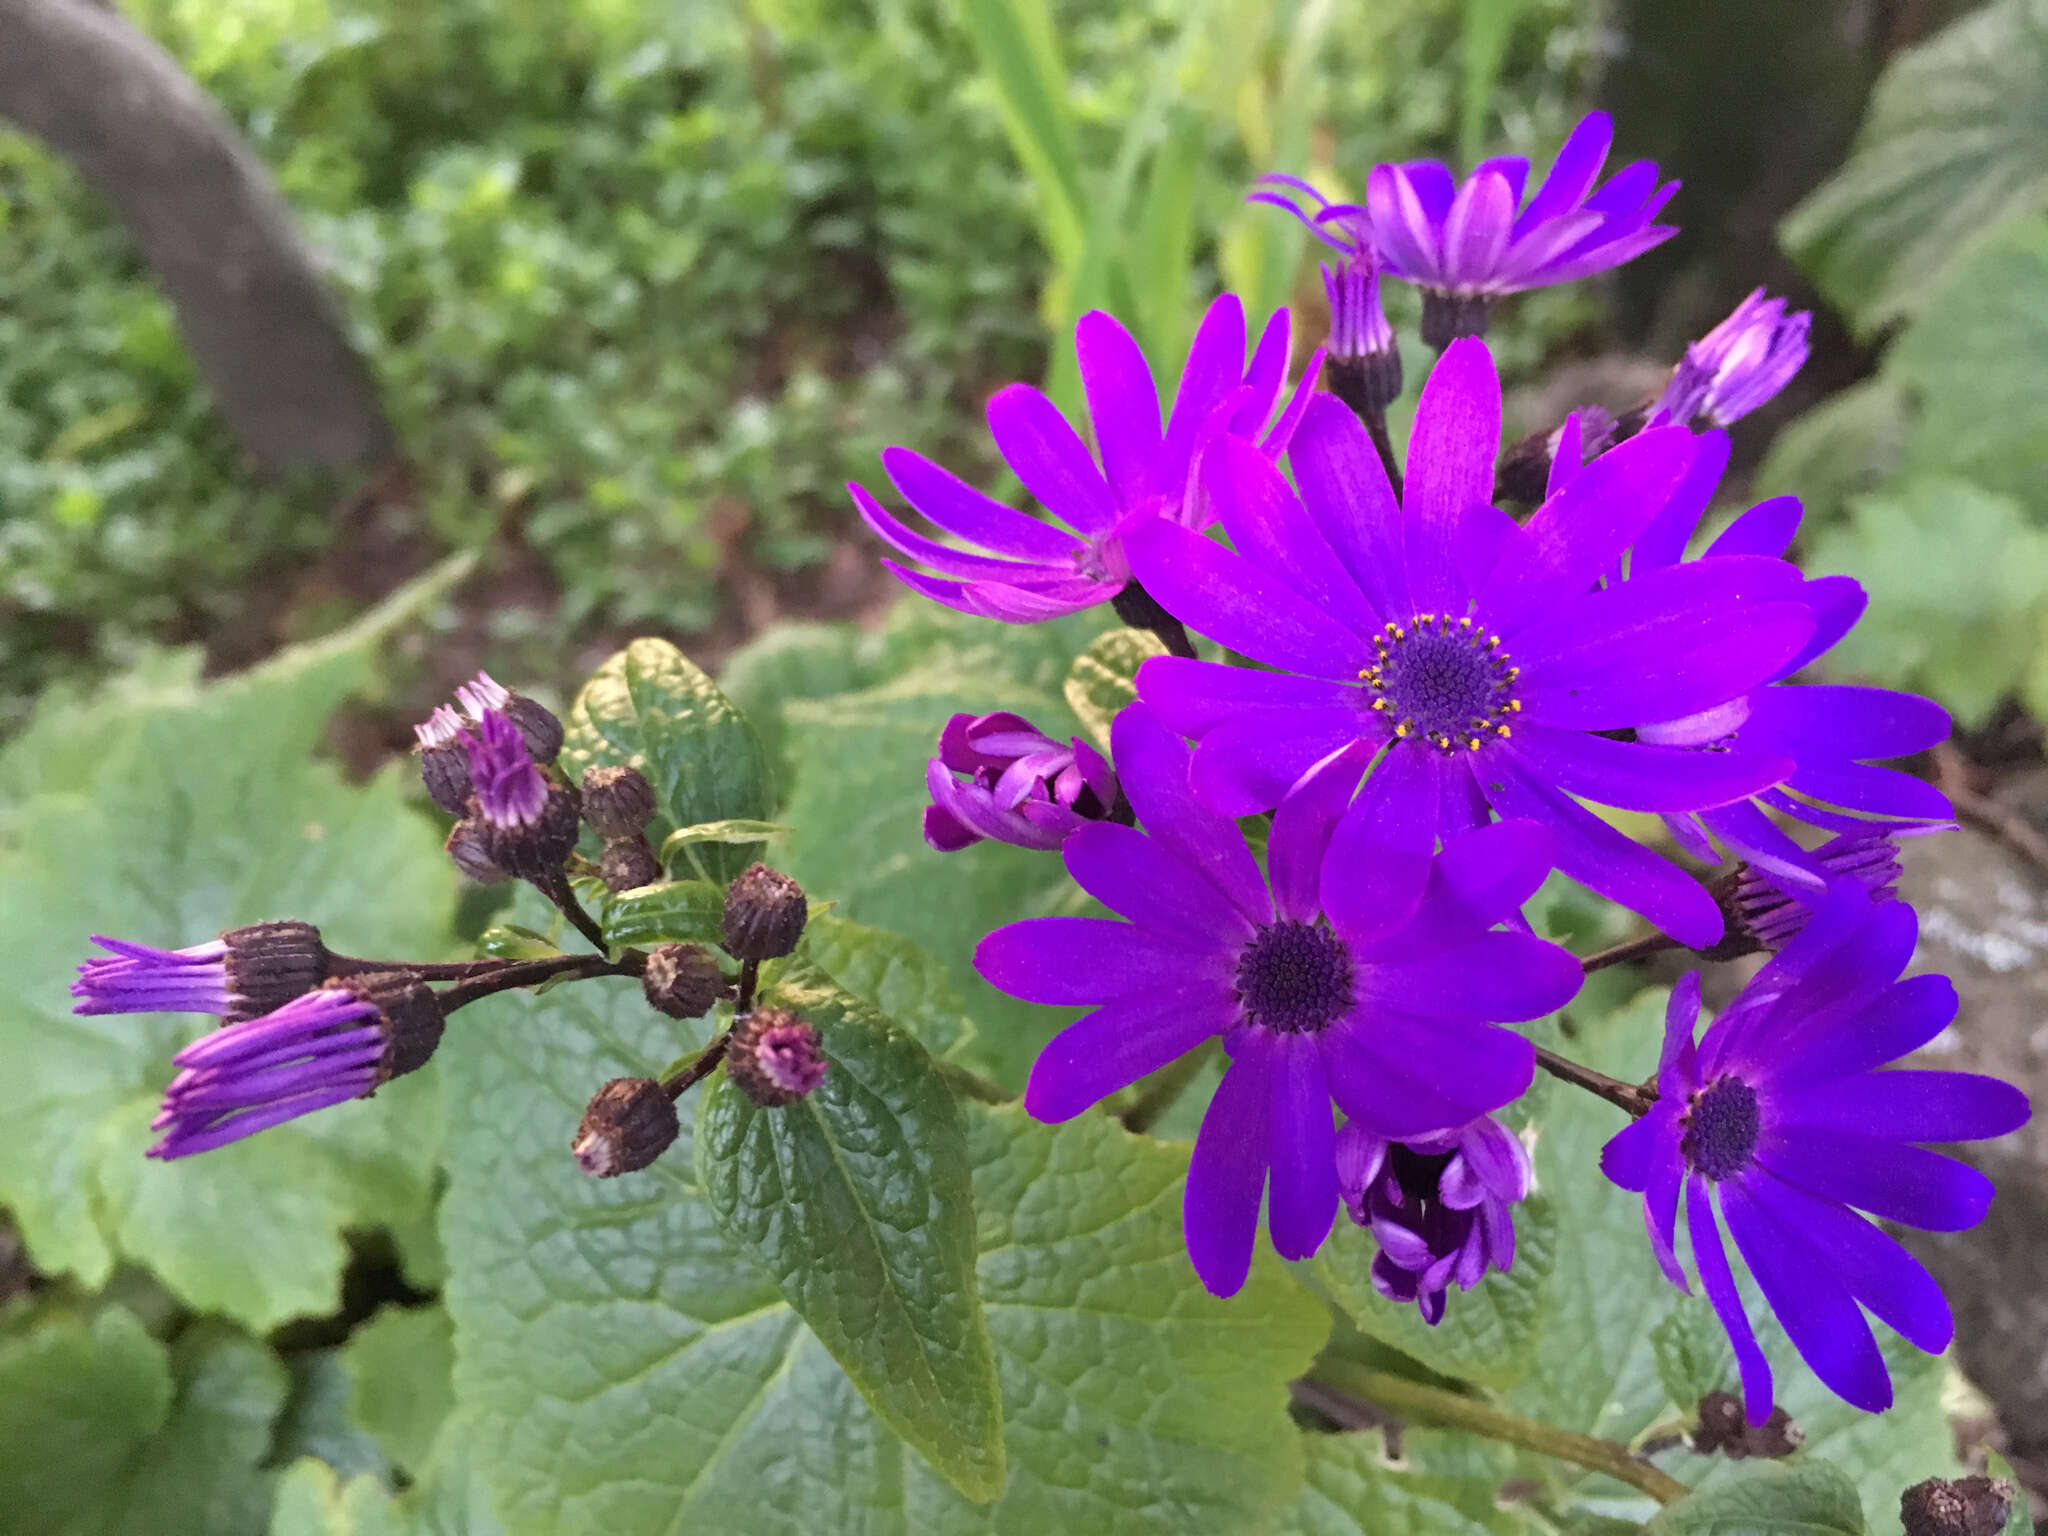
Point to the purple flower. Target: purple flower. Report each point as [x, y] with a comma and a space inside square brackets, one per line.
[1772, 910]
[1038, 570]
[482, 693]
[1737, 366]
[1440, 1206]
[789, 1057]
[1781, 1118]
[1475, 651]
[313, 1052]
[1019, 786]
[510, 791]
[1318, 991]
[443, 728]
[244, 972]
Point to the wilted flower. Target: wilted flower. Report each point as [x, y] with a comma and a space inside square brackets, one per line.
[1000, 777]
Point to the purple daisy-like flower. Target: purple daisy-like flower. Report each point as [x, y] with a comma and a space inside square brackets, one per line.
[1785, 1116]
[1038, 570]
[1737, 366]
[1000, 777]
[1475, 652]
[510, 790]
[1440, 1206]
[1471, 243]
[1318, 991]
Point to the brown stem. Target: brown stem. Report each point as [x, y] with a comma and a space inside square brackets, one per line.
[750, 978]
[450, 970]
[556, 889]
[702, 1067]
[1166, 1087]
[972, 1085]
[1376, 429]
[2000, 821]
[528, 973]
[1634, 949]
[1636, 1098]
[1140, 609]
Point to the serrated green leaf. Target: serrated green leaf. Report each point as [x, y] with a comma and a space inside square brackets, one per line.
[448, 1499]
[398, 1366]
[680, 912]
[1767, 1499]
[897, 976]
[1487, 1333]
[1954, 146]
[205, 812]
[684, 847]
[1694, 1356]
[627, 1369]
[1353, 1491]
[1101, 681]
[316, 1420]
[857, 1199]
[650, 707]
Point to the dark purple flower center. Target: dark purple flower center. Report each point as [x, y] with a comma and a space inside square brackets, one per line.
[1721, 1128]
[1443, 681]
[1294, 978]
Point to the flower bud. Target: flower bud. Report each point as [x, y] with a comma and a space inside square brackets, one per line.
[242, 974]
[469, 845]
[1966, 1506]
[537, 724]
[774, 1057]
[764, 915]
[1766, 911]
[629, 863]
[410, 1018]
[1724, 1429]
[617, 801]
[1000, 777]
[682, 980]
[444, 765]
[269, 964]
[1365, 359]
[630, 1122]
[1740, 364]
[538, 849]
[1526, 469]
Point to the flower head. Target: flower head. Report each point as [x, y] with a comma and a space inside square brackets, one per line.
[1737, 366]
[775, 1058]
[1784, 1116]
[510, 790]
[443, 742]
[1000, 777]
[1440, 1206]
[244, 972]
[1317, 990]
[337, 1042]
[1476, 652]
[1771, 910]
[1039, 570]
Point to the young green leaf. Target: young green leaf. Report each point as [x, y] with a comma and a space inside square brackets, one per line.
[680, 912]
[1767, 1499]
[1694, 1356]
[895, 975]
[398, 1366]
[1353, 1491]
[1101, 681]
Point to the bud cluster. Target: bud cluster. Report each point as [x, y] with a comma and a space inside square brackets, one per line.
[618, 803]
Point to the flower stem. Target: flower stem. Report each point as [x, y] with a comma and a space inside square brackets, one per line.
[1166, 1087]
[1376, 429]
[750, 978]
[1139, 609]
[527, 973]
[971, 1085]
[1636, 1098]
[1338, 1386]
[556, 889]
[1635, 949]
[702, 1067]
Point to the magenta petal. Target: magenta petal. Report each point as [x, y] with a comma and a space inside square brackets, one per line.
[1572, 174]
[1241, 606]
[964, 512]
[1117, 1044]
[1765, 529]
[1718, 1281]
[1476, 231]
[1874, 791]
[1819, 1314]
[1215, 367]
[1905, 1017]
[1123, 407]
[1886, 1178]
[1153, 765]
[1195, 697]
[1482, 877]
[1450, 467]
[1660, 1215]
[1638, 777]
[1302, 1146]
[1249, 764]
[1272, 530]
[1345, 489]
[1404, 1076]
[1663, 541]
[944, 558]
[1881, 1274]
[1631, 1156]
[1087, 960]
[1906, 1105]
[1037, 442]
[1220, 1212]
[1129, 873]
[1497, 976]
[1379, 859]
[1300, 834]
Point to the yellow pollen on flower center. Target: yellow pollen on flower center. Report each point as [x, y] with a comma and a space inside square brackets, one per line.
[1444, 681]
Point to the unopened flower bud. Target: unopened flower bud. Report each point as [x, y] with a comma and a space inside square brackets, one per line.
[629, 863]
[630, 1122]
[269, 964]
[537, 724]
[1964, 1506]
[1526, 469]
[1365, 359]
[1724, 1430]
[1000, 777]
[444, 764]
[1766, 911]
[774, 1057]
[764, 915]
[617, 801]
[469, 845]
[538, 849]
[240, 975]
[1740, 364]
[682, 980]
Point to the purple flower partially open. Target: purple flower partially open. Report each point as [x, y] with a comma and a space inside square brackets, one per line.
[510, 790]
[245, 972]
[1474, 651]
[1440, 1206]
[1000, 777]
[1737, 366]
[1318, 991]
[1781, 1118]
[1038, 570]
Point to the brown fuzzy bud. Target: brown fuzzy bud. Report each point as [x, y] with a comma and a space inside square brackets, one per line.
[469, 845]
[630, 1122]
[629, 863]
[617, 801]
[1725, 1430]
[269, 964]
[682, 980]
[764, 915]
[537, 724]
[411, 1018]
[538, 850]
[445, 772]
[774, 1057]
[1966, 1506]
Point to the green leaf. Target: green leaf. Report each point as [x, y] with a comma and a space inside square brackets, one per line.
[1955, 146]
[1487, 1333]
[627, 1368]
[1849, 444]
[398, 1367]
[894, 975]
[447, 1500]
[684, 844]
[1352, 1491]
[1694, 1356]
[1100, 683]
[317, 1421]
[1767, 1499]
[510, 941]
[2019, 1519]
[1019, 52]
[1958, 587]
[205, 811]
[103, 1431]
[680, 912]
[653, 709]
[789, 662]
[857, 1199]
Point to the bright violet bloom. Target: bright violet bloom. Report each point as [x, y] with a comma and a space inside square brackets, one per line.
[244, 972]
[1019, 785]
[1440, 1206]
[1475, 652]
[1781, 1118]
[1772, 910]
[1318, 990]
[510, 791]
[1737, 366]
[1038, 570]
